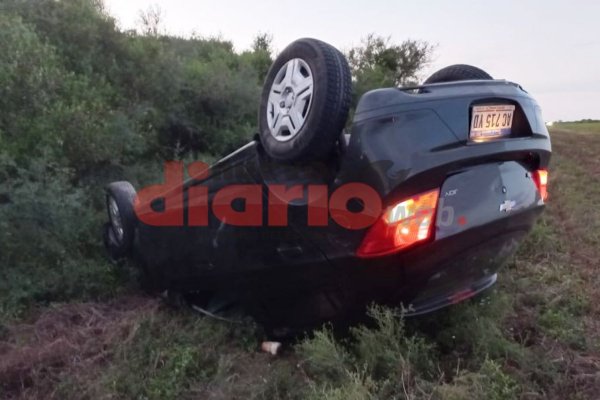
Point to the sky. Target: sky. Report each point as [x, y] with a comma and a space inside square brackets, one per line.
[551, 48]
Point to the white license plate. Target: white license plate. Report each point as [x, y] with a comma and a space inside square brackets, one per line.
[490, 122]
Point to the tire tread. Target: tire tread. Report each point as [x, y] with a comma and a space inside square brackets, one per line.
[458, 72]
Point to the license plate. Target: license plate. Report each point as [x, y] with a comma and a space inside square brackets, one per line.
[490, 122]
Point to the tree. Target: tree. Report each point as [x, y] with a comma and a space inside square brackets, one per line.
[378, 62]
[150, 21]
[261, 56]
[262, 42]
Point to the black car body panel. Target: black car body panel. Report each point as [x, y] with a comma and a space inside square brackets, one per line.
[403, 142]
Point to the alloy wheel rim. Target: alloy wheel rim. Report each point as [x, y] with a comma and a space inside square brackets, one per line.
[116, 221]
[290, 99]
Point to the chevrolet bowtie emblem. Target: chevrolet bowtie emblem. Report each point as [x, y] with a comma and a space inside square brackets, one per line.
[508, 206]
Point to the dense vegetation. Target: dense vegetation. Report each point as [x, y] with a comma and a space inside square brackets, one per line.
[83, 103]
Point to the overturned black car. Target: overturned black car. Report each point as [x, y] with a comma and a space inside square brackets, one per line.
[419, 205]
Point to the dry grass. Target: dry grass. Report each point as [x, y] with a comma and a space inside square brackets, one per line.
[70, 341]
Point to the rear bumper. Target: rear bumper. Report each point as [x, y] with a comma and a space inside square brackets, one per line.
[421, 277]
[421, 280]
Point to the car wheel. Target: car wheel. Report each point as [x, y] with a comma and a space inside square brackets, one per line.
[305, 101]
[458, 72]
[120, 231]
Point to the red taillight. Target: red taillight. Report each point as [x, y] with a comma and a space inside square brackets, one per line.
[401, 225]
[540, 178]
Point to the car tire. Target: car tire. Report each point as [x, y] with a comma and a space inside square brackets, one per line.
[458, 72]
[120, 231]
[305, 102]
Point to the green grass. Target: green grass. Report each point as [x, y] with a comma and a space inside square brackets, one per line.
[532, 336]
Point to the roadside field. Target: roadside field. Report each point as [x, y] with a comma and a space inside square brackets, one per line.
[536, 335]
[580, 126]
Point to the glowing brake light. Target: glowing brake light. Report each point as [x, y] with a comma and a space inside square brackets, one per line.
[540, 177]
[401, 225]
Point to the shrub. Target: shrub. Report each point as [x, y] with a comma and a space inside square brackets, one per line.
[49, 247]
[378, 362]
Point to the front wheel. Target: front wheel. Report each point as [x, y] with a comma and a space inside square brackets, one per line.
[120, 231]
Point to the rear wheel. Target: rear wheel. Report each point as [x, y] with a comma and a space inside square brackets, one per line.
[458, 72]
[305, 101]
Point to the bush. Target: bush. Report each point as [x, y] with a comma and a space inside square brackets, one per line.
[378, 362]
[49, 246]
